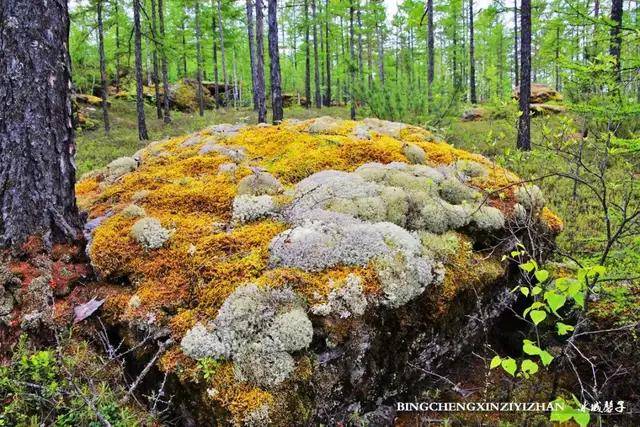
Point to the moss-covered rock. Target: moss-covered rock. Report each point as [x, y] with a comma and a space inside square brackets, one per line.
[294, 257]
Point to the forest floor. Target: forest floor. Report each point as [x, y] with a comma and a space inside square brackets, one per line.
[494, 138]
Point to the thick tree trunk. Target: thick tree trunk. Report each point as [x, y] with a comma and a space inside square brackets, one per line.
[327, 53]
[616, 38]
[37, 176]
[260, 85]
[307, 59]
[142, 125]
[156, 83]
[199, 90]
[316, 69]
[103, 68]
[252, 51]
[524, 121]
[274, 62]
[472, 59]
[163, 61]
[430, 52]
[352, 71]
[222, 51]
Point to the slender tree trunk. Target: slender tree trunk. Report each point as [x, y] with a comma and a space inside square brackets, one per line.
[37, 147]
[260, 85]
[307, 59]
[360, 63]
[516, 57]
[524, 121]
[380, 53]
[199, 88]
[222, 50]
[352, 71]
[116, 17]
[327, 52]
[142, 125]
[163, 61]
[430, 52]
[456, 75]
[316, 70]
[103, 68]
[557, 58]
[252, 51]
[616, 37]
[156, 85]
[274, 62]
[183, 31]
[472, 59]
[216, 92]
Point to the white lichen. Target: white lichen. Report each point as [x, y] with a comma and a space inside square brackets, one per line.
[250, 208]
[149, 233]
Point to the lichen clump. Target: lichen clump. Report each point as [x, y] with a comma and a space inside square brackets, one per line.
[241, 239]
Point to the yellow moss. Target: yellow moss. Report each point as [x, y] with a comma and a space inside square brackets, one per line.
[551, 220]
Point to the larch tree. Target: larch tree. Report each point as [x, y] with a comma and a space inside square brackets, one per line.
[615, 47]
[352, 68]
[524, 121]
[156, 80]
[430, 52]
[327, 53]
[103, 68]
[164, 66]
[316, 70]
[516, 57]
[473, 98]
[307, 59]
[260, 84]
[37, 147]
[222, 51]
[199, 88]
[252, 51]
[143, 135]
[274, 62]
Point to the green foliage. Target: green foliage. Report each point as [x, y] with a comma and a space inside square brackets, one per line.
[43, 387]
[566, 411]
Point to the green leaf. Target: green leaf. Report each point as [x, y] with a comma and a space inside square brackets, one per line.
[564, 329]
[530, 348]
[524, 290]
[579, 299]
[555, 301]
[536, 290]
[529, 367]
[510, 366]
[582, 418]
[537, 316]
[528, 266]
[545, 357]
[541, 275]
[495, 362]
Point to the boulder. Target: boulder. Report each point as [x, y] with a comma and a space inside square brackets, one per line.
[473, 114]
[327, 273]
[540, 94]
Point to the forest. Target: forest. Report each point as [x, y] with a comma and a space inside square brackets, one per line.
[319, 212]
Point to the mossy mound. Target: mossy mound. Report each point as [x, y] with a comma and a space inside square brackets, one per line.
[272, 252]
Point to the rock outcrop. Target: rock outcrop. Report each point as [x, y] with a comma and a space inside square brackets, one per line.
[309, 270]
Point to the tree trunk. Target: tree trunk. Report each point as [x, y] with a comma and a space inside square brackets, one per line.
[103, 68]
[154, 34]
[199, 90]
[516, 58]
[260, 86]
[307, 59]
[557, 58]
[116, 17]
[252, 51]
[163, 61]
[430, 52]
[472, 59]
[37, 176]
[524, 121]
[222, 50]
[274, 62]
[216, 93]
[352, 71]
[183, 31]
[327, 53]
[380, 53]
[142, 125]
[360, 63]
[316, 70]
[616, 37]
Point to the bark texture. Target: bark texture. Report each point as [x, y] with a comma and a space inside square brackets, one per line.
[274, 62]
[260, 86]
[472, 58]
[103, 68]
[307, 59]
[199, 91]
[142, 124]
[163, 60]
[524, 122]
[252, 51]
[37, 148]
[616, 37]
